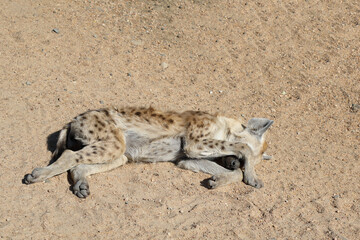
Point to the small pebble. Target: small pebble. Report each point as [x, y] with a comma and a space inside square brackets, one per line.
[355, 107]
[211, 92]
[336, 196]
[128, 74]
[164, 65]
[101, 102]
[28, 83]
[137, 42]
[55, 30]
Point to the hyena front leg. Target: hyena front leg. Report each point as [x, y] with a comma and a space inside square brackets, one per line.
[98, 152]
[216, 148]
[80, 172]
[221, 176]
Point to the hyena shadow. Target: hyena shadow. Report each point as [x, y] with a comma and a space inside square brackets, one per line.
[51, 145]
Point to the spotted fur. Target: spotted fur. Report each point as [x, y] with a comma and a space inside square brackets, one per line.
[100, 140]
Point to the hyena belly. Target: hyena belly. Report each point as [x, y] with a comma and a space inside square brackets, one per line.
[142, 149]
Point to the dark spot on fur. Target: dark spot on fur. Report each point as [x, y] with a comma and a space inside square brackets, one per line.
[216, 144]
[211, 146]
[201, 135]
[170, 121]
[77, 160]
[169, 151]
[84, 117]
[166, 126]
[147, 120]
[231, 144]
[116, 146]
[81, 124]
[94, 152]
[222, 148]
[93, 147]
[88, 154]
[122, 112]
[153, 115]
[101, 123]
[100, 129]
[96, 117]
[106, 112]
[95, 125]
[196, 140]
[138, 114]
[200, 147]
[242, 147]
[102, 148]
[91, 132]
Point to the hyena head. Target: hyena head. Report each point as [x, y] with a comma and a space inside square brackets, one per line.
[253, 134]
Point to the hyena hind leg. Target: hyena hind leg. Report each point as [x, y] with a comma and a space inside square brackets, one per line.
[98, 152]
[64, 163]
[80, 172]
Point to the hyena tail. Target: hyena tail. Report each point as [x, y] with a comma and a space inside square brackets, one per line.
[61, 143]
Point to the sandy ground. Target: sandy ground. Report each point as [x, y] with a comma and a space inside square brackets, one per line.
[296, 62]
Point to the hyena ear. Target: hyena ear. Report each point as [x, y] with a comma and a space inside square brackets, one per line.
[258, 126]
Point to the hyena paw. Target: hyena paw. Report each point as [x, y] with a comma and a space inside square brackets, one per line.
[215, 181]
[35, 176]
[254, 182]
[81, 188]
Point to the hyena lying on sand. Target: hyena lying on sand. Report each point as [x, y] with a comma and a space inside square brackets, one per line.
[100, 140]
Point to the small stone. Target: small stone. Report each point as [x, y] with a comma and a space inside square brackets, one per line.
[137, 42]
[164, 65]
[283, 93]
[220, 91]
[28, 83]
[55, 30]
[336, 196]
[128, 74]
[355, 107]
[126, 202]
[95, 36]
[211, 92]
[101, 102]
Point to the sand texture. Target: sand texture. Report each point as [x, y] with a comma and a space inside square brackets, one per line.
[296, 62]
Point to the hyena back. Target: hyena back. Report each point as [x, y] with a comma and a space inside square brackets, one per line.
[100, 140]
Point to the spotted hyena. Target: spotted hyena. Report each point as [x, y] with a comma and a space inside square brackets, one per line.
[100, 140]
